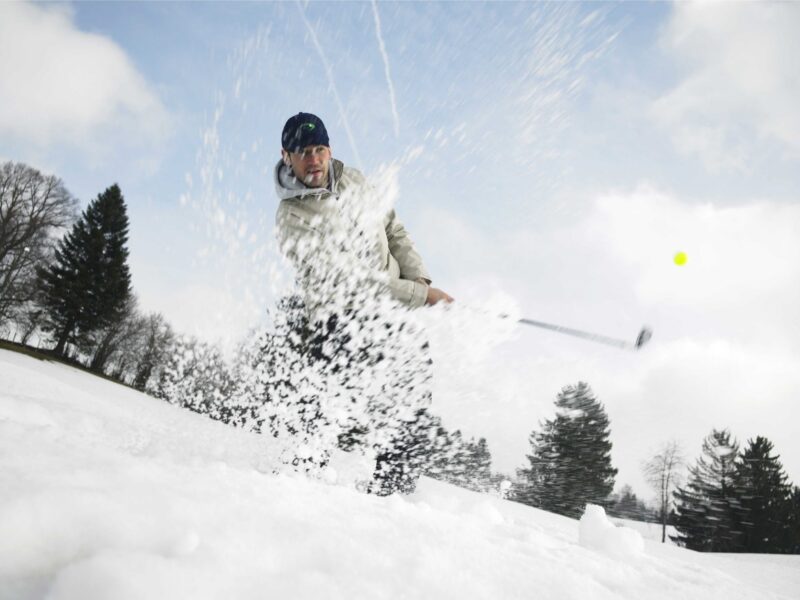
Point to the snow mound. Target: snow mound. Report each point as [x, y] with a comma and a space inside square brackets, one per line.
[596, 532]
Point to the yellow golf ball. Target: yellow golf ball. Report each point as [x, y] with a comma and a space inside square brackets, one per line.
[680, 258]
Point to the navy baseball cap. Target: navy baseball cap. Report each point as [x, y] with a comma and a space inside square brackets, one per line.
[304, 129]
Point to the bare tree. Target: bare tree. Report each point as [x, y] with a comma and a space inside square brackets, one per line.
[156, 341]
[28, 319]
[130, 349]
[115, 338]
[663, 472]
[34, 208]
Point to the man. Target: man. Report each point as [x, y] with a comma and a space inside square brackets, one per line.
[349, 252]
[308, 181]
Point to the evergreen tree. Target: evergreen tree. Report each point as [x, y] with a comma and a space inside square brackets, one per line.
[444, 450]
[88, 284]
[446, 462]
[626, 505]
[570, 465]
[763, 494]
[478, 461]
[791, 516]
[706, 517]
[463, 463]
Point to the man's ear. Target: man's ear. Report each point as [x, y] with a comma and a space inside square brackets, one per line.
[285, 156]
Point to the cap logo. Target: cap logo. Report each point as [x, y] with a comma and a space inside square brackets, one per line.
[308, 126]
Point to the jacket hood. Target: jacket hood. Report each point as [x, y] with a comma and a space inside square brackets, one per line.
[288, 186]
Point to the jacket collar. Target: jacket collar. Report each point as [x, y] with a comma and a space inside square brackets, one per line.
[288, 186]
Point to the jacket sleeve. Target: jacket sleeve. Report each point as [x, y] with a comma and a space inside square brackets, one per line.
[402, 248]
[410, 293]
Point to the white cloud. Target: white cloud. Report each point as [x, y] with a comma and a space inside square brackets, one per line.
[741, 86]
[741, 259]
[60, 84]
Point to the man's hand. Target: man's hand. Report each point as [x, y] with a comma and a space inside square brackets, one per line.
[436, 295]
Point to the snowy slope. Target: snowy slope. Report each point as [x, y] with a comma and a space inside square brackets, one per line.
[649, 531]
[106, 493]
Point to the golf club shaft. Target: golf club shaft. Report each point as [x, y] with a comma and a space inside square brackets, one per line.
[586, 335]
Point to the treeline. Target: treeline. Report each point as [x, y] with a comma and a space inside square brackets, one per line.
[65, 280]
[738, 500]
[733, 501]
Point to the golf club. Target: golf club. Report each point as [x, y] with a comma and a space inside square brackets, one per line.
[644, 335]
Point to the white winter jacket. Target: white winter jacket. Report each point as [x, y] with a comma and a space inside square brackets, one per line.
[311, 223]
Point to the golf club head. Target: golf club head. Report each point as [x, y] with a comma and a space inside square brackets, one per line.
[644, 335]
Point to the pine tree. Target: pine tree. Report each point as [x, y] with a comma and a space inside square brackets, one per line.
[443, 451]
[570, 465]
[463, 463]
[446, 462]
[626, 505]
[88, 284]
[763, 495]
[791, 517]
[478, 463]
[706, 518]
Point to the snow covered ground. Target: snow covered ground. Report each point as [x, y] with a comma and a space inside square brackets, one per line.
[649, 531]
[106, 493]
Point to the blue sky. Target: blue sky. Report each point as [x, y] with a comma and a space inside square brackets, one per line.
[552, 155]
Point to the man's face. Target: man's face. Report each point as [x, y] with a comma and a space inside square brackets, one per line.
[311, 165]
